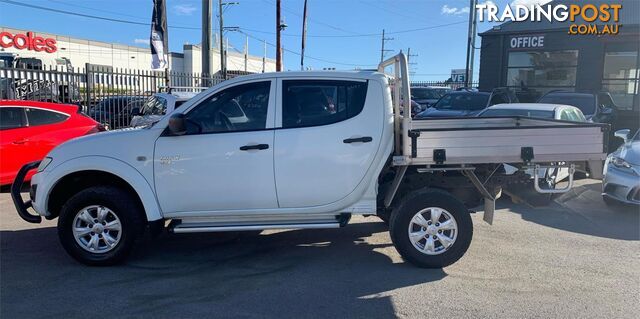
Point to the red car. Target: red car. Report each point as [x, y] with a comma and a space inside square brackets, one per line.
[30, 129]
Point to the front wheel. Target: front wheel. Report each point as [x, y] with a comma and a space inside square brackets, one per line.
[431, 228]
[99, 225]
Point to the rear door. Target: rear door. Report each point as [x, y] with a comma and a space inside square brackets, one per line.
[326, 141]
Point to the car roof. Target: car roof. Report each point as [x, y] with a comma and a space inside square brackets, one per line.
[468, 93]
[569, 93]
[529, 106]
[356, 74]
[66, 108]
[431, 87]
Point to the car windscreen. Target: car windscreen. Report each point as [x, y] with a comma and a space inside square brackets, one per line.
[585, 102]
[526, 113]
[424, 93]
[467, 101]
[112, 104]
[155, 105]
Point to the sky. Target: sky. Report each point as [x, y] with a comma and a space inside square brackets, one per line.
[341, 34]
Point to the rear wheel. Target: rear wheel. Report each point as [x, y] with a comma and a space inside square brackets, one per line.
[431, 228]
[99, 225]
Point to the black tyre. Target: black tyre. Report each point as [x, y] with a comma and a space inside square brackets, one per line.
[431, 228]
[384, 215]
[99, 225]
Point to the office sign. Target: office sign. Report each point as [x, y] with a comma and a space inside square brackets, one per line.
[527, 42]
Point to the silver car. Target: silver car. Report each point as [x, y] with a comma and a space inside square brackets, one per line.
[621, 183]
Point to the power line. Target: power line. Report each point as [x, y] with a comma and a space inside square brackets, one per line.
[362, 34]
[98, 10]
[89, 15]
[198, 28]
[306, 56]
[295, 13]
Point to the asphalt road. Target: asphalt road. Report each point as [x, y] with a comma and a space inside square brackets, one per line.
[549, 262]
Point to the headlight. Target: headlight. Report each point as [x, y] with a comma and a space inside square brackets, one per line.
[45, 162]
[619, 162]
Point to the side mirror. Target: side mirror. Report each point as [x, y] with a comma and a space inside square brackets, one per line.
[135, 111]
[177, 124]
[623, 134]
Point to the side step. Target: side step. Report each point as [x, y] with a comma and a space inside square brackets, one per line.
[211, 225]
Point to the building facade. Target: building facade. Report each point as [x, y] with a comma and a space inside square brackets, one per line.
[52, 50]
[533, 58]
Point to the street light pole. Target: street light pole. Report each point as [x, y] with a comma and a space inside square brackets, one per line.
[471, 42]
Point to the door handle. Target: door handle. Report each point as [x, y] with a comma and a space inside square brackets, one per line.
[364, 139]
[22, 141]
[254, 147]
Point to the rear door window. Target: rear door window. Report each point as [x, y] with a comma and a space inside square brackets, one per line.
[37, 117]
[321, 102]
[11, 117]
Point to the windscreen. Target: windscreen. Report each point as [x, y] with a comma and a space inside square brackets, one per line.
[585, 102]
[155, 105]
[463, 102]
[424, 93]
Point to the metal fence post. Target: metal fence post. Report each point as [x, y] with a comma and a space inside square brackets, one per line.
[87, 87]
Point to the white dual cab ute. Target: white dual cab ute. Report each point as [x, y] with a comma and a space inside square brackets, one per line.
[317, 148]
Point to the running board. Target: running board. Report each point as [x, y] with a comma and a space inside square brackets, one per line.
[179, 229]
[243, 223]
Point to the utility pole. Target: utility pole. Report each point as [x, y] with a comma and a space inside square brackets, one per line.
[471, 43]
[264, 56]
[246, 52]
[206, 40]
[279, 27]
[223, 59]
[304, 35]
[383, 51]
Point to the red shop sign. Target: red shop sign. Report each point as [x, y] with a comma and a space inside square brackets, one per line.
[28, 41]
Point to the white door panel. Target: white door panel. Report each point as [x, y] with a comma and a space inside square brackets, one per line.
[220, 166]
[209, 172]
[314, 166]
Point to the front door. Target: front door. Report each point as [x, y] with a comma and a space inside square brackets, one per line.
[225, 160]
[13, 140]
[327, 142]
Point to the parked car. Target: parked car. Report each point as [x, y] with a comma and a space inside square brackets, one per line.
[315, 148]
[539, 110]
[29, 130]
[597, 107]
[426, 96]
[157, 106]
[621, 182]
[467, 103]
[114, 112]
[548, 178]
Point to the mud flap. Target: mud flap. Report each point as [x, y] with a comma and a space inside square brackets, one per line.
[489, 209]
